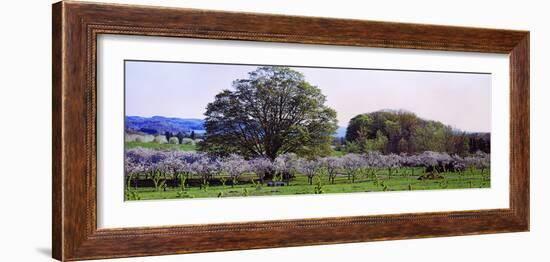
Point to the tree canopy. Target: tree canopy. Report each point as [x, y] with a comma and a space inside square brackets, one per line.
[403, 132]
[275, 111]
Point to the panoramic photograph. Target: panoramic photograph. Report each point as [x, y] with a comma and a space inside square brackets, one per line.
[207, 130]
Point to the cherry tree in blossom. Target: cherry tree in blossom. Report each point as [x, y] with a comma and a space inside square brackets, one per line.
[308, 168]
[411, 161]
[391, 162]
[353, 164]
[284, 165]
[205, 168]
[235, 165]
[332, 166]
[479, 160]
[261, 167]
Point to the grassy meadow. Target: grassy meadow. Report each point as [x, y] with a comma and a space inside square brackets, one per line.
[401, 179]
[157, 146]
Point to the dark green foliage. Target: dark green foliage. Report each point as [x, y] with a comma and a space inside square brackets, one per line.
[404, 132]
[479, 142]
[274, 111]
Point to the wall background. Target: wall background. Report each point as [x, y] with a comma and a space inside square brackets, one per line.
[25, 117]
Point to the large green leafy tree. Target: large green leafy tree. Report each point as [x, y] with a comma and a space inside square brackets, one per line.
[274, 111]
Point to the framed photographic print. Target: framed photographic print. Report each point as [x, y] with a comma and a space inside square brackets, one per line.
[195, 131]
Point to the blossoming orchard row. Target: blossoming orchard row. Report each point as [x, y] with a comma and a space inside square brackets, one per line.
[161, 165]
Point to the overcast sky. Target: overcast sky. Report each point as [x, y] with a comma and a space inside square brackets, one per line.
[184, 89]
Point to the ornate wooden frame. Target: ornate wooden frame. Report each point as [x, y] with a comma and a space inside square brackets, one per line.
[76, 26]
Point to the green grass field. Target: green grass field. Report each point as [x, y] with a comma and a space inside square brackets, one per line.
[186, 148]
[401, 180]
[151, 145]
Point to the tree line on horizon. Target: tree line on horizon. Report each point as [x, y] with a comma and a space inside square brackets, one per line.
[398, 132]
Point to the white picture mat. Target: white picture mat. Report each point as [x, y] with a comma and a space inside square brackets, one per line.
[114, 212]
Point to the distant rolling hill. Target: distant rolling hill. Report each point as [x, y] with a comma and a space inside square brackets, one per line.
[160, 124]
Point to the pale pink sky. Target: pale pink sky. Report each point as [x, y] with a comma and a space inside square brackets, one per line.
[461, 100]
